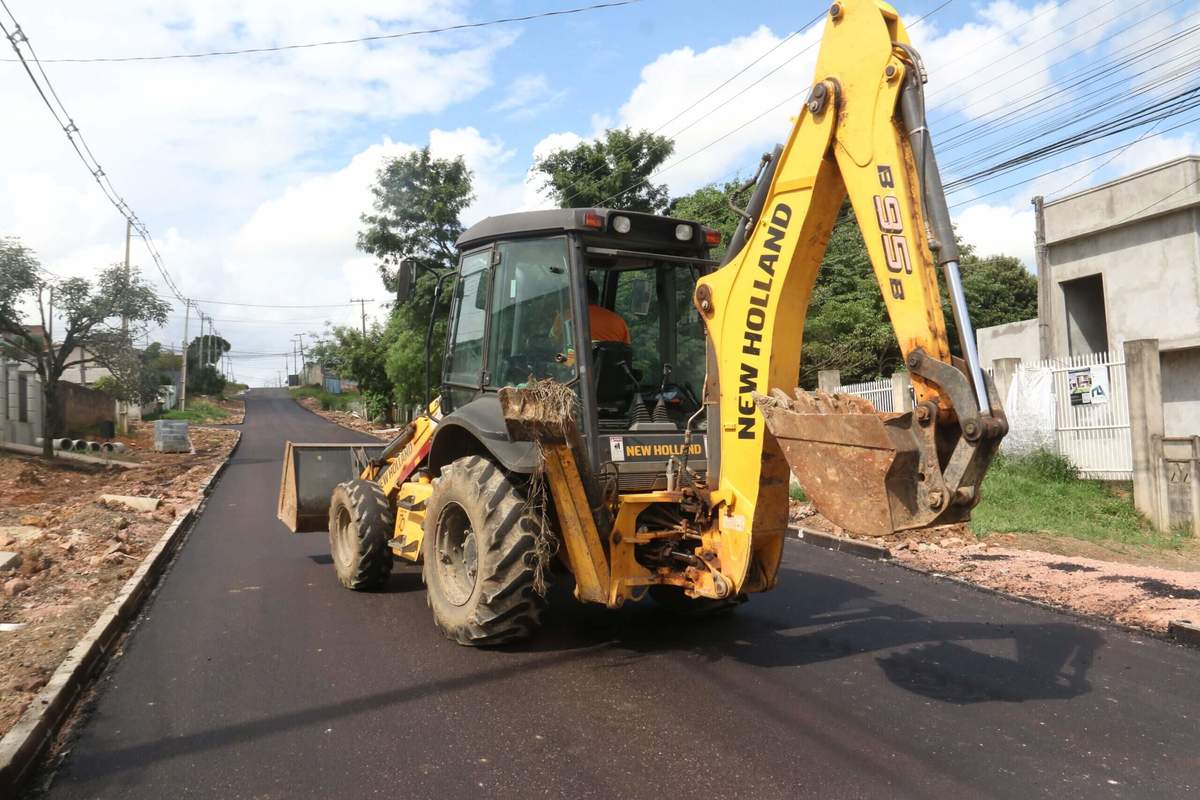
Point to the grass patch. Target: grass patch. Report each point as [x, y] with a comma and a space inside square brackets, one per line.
[329, 402]
[197, 411]
[796, 492]
[1042, 493]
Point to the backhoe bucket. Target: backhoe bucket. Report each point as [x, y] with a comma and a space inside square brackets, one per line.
[869, 473]
[310, 473]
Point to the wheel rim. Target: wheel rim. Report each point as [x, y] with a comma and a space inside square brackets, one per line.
[457, 554]
[343, 548]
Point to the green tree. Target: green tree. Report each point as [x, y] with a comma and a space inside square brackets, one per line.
[417, 208]
[418, 202]
[621, 163]
[136, 375]
[203, 354]
[87, 311]
[847, 326]
[710, 206]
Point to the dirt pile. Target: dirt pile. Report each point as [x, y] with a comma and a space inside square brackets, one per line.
[73, 553]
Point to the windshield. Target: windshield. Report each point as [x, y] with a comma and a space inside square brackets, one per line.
[531, 333]
[665, 333]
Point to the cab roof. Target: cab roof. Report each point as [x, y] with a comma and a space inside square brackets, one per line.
[647, 231]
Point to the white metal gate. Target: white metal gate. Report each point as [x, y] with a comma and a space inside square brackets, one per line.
[1095, 436]
[878, 392]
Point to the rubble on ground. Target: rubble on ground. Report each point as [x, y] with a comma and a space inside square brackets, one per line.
[1144, 589]
[73, 553]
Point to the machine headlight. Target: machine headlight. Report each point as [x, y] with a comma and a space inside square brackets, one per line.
[684, 233]
[621, 224]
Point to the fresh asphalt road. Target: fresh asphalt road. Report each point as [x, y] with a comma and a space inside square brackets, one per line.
[253, 674]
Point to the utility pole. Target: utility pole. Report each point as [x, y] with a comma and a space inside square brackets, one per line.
[362, 303]
[301, 365]
[128, 235]
[187, 306]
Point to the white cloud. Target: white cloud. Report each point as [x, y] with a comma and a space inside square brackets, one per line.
[998, 230]
[1158, 150]
[528, 96]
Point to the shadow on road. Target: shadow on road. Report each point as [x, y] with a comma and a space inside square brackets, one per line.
[820, 619]
[825, 618]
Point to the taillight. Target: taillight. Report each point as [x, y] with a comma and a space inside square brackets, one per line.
[593, 220]
[712, 237]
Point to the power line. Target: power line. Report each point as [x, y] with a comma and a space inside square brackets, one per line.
[336, 42]
[265, 305]
[16, 38]
[748, 122]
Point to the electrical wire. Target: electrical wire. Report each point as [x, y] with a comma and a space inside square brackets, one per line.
[743, 125]
[16, 38]
[337, 42]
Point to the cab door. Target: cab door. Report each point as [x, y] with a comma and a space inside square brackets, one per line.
[464, 374]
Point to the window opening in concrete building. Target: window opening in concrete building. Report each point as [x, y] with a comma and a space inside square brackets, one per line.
[1087, 325]
[22, 398]
[1181, 391]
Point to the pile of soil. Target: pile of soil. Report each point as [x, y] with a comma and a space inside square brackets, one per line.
[74, 553]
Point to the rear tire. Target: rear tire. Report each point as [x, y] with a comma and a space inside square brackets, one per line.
[478, 552]
[360, 524]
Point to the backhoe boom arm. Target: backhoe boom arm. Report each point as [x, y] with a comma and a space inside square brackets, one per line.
[862, 134]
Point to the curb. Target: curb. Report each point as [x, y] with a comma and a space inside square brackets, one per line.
[24, 744]
[1184, 633]
[842, 544]
[319, 415]
[1178, 632]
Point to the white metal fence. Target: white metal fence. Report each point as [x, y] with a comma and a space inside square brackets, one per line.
[1089, 398]
[878, 392]
[1091, 403]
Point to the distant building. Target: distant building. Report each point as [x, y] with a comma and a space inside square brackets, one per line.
[1120, 261]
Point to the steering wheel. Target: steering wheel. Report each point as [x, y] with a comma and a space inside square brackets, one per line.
[538, 363]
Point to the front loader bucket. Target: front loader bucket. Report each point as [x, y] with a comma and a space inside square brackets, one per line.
[310, 473]
[867, 472]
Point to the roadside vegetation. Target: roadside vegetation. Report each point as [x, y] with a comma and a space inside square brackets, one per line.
[198, 411]
[1043, 493]
[327, 401]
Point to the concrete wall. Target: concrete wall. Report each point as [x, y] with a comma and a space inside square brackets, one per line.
[1014, 340]
[1141, 234]
[1181, 391]
[12, 427]
[82, 408]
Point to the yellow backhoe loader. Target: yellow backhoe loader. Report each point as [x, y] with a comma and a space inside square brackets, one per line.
[619, 408]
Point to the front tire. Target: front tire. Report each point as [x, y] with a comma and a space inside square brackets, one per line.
[360, 523]
[479, 554]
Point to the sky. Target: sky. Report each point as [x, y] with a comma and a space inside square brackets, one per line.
[252, 171]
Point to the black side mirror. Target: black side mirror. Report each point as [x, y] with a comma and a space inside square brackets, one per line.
[406, 280]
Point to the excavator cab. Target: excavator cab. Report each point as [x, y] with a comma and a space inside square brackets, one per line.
[595, 299]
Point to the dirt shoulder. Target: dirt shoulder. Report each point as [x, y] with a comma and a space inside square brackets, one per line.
[1145, 587]
[348, 420]
[74, 553]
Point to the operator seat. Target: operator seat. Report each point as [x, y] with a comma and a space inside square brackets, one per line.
[614, 383]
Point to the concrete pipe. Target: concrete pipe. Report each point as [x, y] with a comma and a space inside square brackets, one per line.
[64, 444]
[117, 447]
[79, 445]
[94, 447]
[106, 447]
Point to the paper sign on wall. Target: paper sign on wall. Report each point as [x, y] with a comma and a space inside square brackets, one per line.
[1088, 386]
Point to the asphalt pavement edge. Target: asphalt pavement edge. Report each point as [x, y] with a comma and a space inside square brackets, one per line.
[25, 742]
